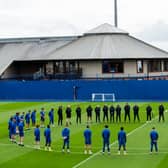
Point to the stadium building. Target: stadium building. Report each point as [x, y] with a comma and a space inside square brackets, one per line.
[104, 52]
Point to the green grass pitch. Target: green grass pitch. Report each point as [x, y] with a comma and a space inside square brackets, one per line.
[138, 141]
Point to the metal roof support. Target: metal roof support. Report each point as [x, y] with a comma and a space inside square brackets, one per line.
[115, 14]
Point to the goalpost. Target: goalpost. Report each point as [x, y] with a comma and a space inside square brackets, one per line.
[103, 97]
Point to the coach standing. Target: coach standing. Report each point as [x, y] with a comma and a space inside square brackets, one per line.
[97, 112]
[118, 113]
[60, 115]
[78, 114]
[68, 115]
[127, 112]
[89, 110]
[136, 112]
[105, 113]
[161, 112]
[112, 110]
[148, 113]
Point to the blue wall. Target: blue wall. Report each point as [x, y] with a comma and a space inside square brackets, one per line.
[63, 90]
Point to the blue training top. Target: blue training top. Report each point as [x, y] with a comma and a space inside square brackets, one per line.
[42, 113]
[87, 134]
[33, 115]
[154, 135]
[47, 133]
[27, 117]
[13, 128]
[122, 137]
[106, 134]
[66, 133]
[21, 127]
[51, 114]
[37, 132]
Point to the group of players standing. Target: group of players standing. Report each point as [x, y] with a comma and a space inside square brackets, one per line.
[16, 124]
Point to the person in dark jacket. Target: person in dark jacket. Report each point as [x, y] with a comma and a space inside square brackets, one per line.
[112, 111]
[60, 115]
[105, 113]
[127, 112]
[78, 114]
[68, 114]
[136, 112]
[161, 113]
[148, 113]
[118, 113]
[89, 110]
[97, 112]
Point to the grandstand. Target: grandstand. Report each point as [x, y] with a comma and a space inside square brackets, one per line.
[105, 52]
[74, 67]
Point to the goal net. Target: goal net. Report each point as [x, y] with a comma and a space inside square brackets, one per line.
[103, 97]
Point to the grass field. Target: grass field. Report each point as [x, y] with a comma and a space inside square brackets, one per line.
[138, 155]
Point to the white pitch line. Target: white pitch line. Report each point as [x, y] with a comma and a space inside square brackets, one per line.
[95, 154]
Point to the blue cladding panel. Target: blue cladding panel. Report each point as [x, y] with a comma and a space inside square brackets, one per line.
[63, 90]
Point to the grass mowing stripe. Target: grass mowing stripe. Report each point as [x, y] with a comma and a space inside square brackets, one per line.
[81, 153]
[130, 133]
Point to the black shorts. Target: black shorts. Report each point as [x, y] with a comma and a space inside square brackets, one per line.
[42, 119]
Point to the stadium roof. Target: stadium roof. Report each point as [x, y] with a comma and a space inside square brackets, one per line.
[29, 49]
[102, 42]
[108, 42]
[105, 29]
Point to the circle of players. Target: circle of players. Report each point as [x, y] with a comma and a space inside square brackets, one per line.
[16, 126]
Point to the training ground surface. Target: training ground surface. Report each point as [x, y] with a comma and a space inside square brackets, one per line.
[138, 141]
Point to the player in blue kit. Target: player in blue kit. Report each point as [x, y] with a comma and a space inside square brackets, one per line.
[106, 139]
[51, 117]
[42, 117]
[87, 136]
[66, 136]
[9, 127]
[33, 118]
[22, 116]
[154, 138]
[122, 139]
[21, 133]
[47, 134]
[27, 118]
[37, 137]
[13, 130]
[17, 119]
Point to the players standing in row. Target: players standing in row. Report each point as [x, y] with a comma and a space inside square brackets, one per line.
[122, 138]
[114, 113]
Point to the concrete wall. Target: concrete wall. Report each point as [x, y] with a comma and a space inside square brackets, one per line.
[93, 69]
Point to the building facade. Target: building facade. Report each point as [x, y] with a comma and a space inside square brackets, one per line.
[101, 53]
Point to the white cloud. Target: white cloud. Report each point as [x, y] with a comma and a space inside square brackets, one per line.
[63, 17]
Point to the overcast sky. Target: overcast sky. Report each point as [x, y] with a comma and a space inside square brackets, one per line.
[144, 19]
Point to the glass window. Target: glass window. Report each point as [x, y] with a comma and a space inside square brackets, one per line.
[165, 65]
[112, 66]
[154, 66]
[139, 65]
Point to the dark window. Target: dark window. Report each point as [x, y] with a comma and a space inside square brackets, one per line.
[155, 66]
[139, 65]
[165, 65]
[112, 66]
[72, 66]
